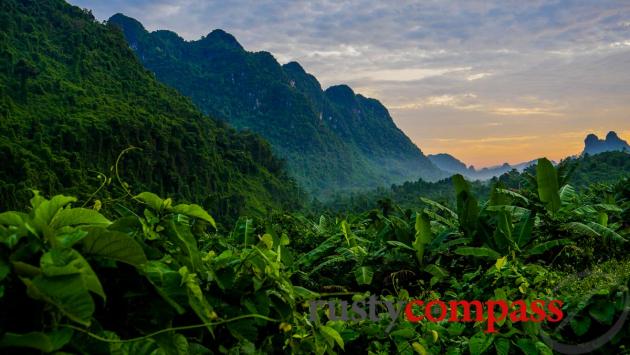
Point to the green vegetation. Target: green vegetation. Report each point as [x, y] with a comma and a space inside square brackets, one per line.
[604, 167]
[584, 173]
[73, 96]
[333, 139]
[146, 274]
[89, 264]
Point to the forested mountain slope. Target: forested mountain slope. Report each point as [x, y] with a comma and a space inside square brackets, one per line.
[332, 139]
[73, 96]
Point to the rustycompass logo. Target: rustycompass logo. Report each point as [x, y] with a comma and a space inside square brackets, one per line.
[490, 312]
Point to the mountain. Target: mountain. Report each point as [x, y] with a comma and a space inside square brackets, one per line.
[453, 165]
[73, 96]
[332, 139]
[594, 145]
[449, 163]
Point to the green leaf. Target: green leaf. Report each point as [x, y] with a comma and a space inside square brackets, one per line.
[496, 197]
[173, 343]
[46, 342]
[502, 346]
[332, 335]
[305, 294]
[243, 231]
[606, 207]
[37, 199]
[513, 210]
[547, 180]
[580, 325]
[568, 194]
[364, 275]
[113, 245]
[436, 271]
[400, 245]
[606, 233]
[478, 252]
[406, 333]
[543, 349]
[11, 218]
[420, 349]
[58, 262]
[603, 312]
[513, 194]
[467, 207]
[543, 247]
[527, 346]
[503, 233]
[580, 229]
[424, 235]
[501, 263]
[245, 331]
[195, 211]
[456, 329]
[602, 218]
[77, 216]
[68, 293]
[439, 207]
[267, 241]
[479, 343]
[196, 298]
[167, 283]
[347, 233]
[523, 230]
[181, 235]
[47, 209]
[68, 239]
[150, 199]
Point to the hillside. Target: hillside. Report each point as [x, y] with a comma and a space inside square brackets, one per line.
[73, 96]
[332, 139]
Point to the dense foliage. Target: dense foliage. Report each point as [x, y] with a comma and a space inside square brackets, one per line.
[91, 265]
[73, 96]
[332, 140]
[146, 275]
[581, 172]
[604, 167]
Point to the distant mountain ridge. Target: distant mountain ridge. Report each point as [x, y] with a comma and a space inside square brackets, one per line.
[332, 139]
[612, 142]
[453, 165]
[592, 145]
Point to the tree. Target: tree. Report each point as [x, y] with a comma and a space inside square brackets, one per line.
[24, 70]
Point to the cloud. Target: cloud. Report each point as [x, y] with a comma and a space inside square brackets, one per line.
[477, 76]
[472, 102]
[410, 74]
[523, 111]
[459, 102]
[488, 139]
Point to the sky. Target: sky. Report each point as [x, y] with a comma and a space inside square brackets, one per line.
[486, 81]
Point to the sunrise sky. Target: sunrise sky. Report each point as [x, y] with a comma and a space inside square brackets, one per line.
[486, 81]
